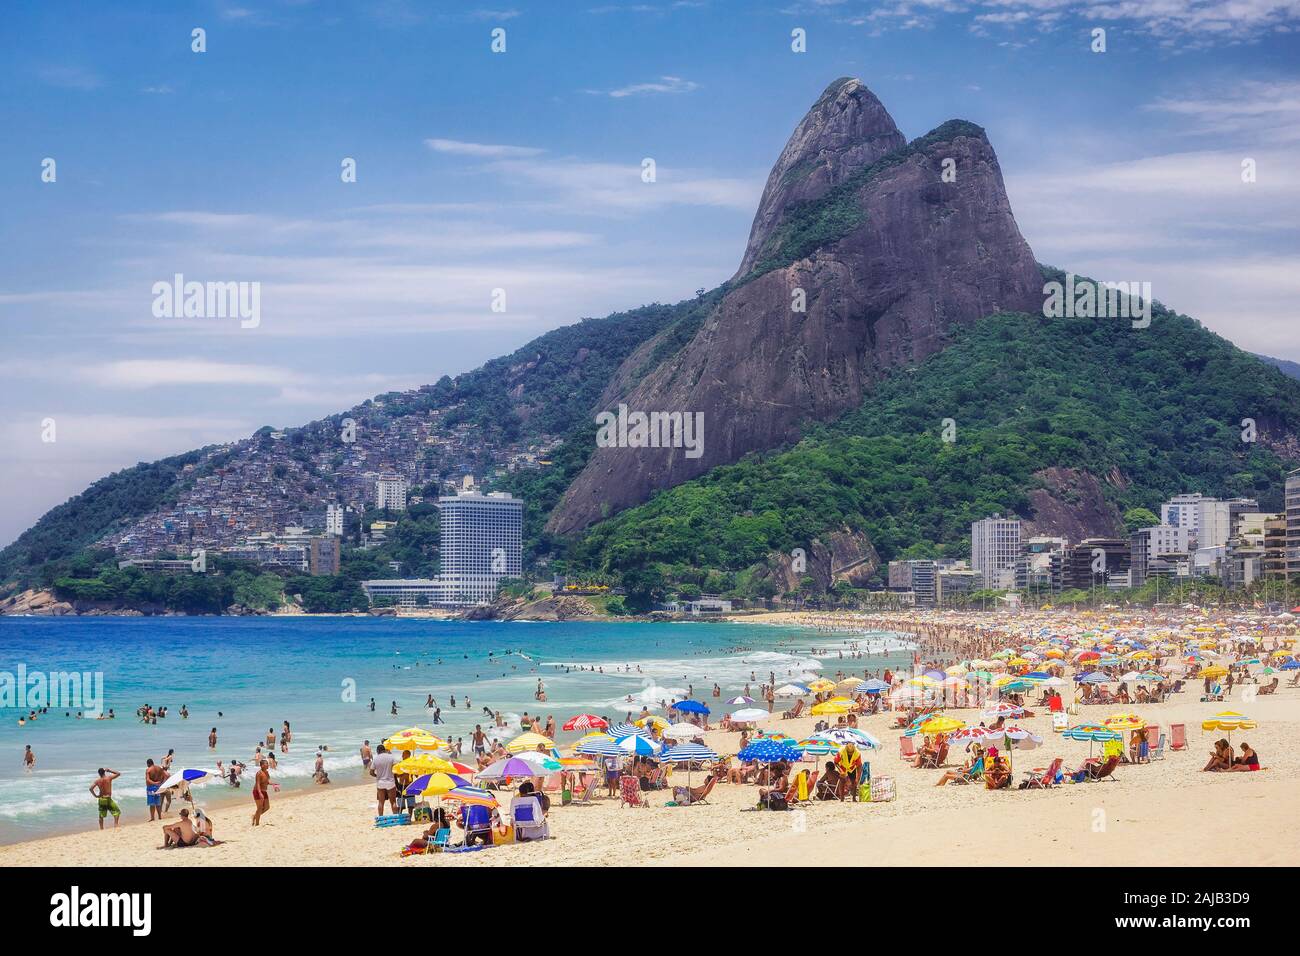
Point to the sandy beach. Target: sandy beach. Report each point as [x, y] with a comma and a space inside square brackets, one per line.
[1166, 813]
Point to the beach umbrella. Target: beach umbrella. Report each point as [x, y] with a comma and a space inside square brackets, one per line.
[1124, 722]
[585, 722]
[529, 741]
[821, 685]
[814, 747]
[751, 714]
[186, 776]
[637, 744]
[1095, 677]
[873, 685]
[623, 729]
[1229, 720]
[792, 690]
[690, 707]
[423, 763]
[1016, 738]
[1003, 709]
[846, 735]
[516, 767]
[769, 751]
[1214, 670]
[472, 795]
[436, 784]
[652, 720]
[1092, 733]
[414, 738]
[688, 754]
[601, 746]
[940, 724]
[681, 731]
[742, 699]
[1289, 665]
[830, 707]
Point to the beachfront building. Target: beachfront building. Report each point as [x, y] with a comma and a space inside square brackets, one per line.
[1275, 546]
[1091, 562]
[1039, 565]
[1292, 499]
[481, 542]
[915, 577]
[994, 548]
[951, 584]
[1161, 545]
[1183, 511]
[390, 491]
[406, 592]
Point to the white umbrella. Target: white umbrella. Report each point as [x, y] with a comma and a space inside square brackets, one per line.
[682, 731]
[792, 690]
[186, 776]
[749, 715]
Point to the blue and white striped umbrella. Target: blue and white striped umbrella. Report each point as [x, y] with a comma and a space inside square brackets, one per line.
[624, 730]
[637, 744]
[687, 753]
[600, 747]
[873, 686]
[848, 735]
[186, 776]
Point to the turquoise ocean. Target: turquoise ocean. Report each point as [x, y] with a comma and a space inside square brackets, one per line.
[244, 675]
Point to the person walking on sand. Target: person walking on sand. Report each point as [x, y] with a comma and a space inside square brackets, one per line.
[102, 790]
[381, 768]
[261, 792]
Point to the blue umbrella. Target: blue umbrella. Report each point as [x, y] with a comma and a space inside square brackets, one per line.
[769, 751]
[624, 730]
[1096, 677]
[637, 744]
[1290, 665]
[690, 707]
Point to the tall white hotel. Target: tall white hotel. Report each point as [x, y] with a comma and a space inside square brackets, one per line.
[481, 543]
[994, 547]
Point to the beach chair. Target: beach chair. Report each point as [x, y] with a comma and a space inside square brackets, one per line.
[584, 799]
[528, 820]
[795, 711]
[906, 747]
[974, 775]
[441, 839]
[1158, 751]
[1094, 771]
[629, 792]
[1042, 778]
[1177, 737]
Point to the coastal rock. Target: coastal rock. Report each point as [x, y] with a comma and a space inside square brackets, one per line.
[845, 555]
[888, 258]
[35, 602]
[565, 607]
[1071, 504]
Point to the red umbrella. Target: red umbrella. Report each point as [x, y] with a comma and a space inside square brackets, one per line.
[585, 722]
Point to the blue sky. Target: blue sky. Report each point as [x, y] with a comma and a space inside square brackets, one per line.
[521, 171]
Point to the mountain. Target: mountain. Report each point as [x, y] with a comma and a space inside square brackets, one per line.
[888, 254]
[1288, 368]
[884, 291]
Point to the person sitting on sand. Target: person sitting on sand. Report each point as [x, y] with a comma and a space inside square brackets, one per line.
[180, 833]
[829, 784]
[997, 774]
[1249, 760]
[1220, 758]
[440, 821]
[779, 778]
[970, 771]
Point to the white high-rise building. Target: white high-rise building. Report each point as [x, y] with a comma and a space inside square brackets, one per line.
[994, 548]
[1182, 511]
[390, 491]
[481, 541]
[334, 520]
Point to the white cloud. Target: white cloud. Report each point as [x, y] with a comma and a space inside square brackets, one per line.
[480, 150]
[665, 84]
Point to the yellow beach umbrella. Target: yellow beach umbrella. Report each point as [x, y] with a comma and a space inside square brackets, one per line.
[923, 681]
[438, 784]
[1124, 722]
[418, 764]
[653, 720]
[821, 685]
[941, 725]
[1214, 670]
[1229, 720]
[529, 741]
[830, 707]
[414, 738]
[956, 670]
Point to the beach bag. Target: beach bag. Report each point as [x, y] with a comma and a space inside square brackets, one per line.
[423, 813]
[882, 790]
[566, 797]
[776, 801]
[864, 792]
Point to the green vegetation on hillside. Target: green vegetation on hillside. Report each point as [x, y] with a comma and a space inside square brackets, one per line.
[1159, 407]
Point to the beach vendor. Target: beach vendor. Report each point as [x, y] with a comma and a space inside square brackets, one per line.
[848, 762]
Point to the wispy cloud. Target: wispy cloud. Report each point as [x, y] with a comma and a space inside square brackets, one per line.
[481, 150]
[665, 84]
[70, 77]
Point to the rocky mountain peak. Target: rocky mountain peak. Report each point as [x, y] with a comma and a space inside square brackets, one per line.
[847, 129]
